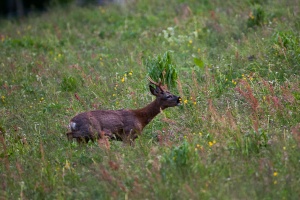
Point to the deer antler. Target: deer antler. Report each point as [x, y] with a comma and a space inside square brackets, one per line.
[162, 87]
[153, 82]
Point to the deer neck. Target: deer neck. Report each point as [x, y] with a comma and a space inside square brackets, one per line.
[146, 114]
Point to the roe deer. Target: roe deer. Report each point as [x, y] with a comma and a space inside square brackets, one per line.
[122, 124]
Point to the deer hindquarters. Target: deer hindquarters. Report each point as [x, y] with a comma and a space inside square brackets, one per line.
[80, 131]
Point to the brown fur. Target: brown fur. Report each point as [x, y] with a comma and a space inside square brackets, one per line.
[123, 124]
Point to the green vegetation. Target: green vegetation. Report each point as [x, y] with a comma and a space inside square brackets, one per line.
[161, 68]
[235, 64]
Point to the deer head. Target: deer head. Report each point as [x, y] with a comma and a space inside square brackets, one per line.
[164, 97]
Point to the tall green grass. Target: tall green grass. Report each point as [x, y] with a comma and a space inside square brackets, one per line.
[236, 136]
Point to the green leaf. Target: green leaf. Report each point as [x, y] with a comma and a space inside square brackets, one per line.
[199, 62]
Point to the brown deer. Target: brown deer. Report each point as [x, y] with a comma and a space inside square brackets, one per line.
[122, 124]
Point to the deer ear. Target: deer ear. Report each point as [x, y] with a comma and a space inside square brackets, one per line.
[153, 90]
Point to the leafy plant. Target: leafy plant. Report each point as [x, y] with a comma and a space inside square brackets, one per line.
[256, 16]
[179, 156]
[255, 142]
[69, 84]
[180, 159]
[287, 45]
[162, 68]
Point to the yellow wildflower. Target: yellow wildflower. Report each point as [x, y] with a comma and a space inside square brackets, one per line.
[275, 174]
[67, 165]
[102, 10]
[251, 15]
[212, 143]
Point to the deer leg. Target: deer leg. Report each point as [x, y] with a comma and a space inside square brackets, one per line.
[80, 136]
[109, 134]
[70, 136]
[128, 136]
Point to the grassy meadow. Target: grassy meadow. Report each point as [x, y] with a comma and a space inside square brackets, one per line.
[236, 136]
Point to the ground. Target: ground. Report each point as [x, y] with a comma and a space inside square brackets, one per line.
[236, 136]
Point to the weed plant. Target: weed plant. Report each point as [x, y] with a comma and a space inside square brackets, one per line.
[235, 65]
